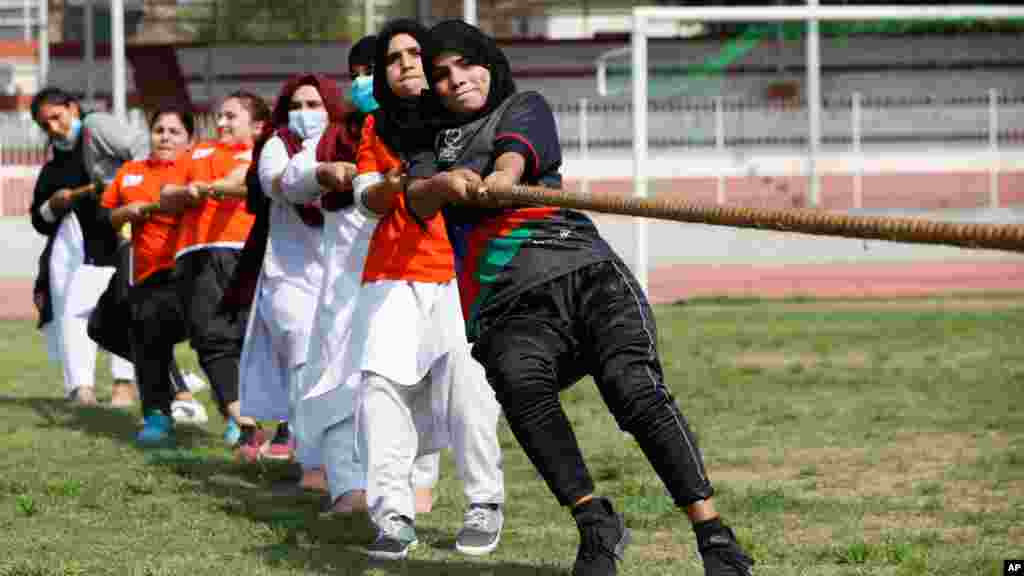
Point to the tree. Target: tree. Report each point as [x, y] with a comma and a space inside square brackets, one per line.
[273, 20]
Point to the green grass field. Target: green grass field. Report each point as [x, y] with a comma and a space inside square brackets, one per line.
[881, 438]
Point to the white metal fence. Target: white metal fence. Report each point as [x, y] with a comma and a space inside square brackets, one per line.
[988, 119]
[988, 122]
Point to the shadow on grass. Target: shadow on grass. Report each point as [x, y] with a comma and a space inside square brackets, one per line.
[120, 425]
[301, 539]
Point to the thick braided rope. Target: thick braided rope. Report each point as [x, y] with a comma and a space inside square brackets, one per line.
[805, 221]
[91, 188]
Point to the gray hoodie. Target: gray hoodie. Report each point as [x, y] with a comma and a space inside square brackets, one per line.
[108, 144]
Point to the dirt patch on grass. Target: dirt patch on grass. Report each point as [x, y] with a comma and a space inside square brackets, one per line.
[664, 545]
[901, 468]
[779, 360]
[978, 497]
[801, 531]
[912, 466]
[893, 470]
[877, 528]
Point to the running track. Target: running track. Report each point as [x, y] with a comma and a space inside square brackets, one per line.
[670, 281]
[677, 282]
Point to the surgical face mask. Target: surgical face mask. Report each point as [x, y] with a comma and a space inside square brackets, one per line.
[68, 144]
[308, 123]
[362, 94]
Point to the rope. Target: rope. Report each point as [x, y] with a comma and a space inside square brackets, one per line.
[91, 188]
[150, 208]
[1008, 237]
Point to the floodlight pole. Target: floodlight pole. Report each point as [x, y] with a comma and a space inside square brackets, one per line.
[813, 104]
[469, 12]
[639, 54]
[90, 54]
[423, 12]
[368, 10]
[44, 43]
[117, 50]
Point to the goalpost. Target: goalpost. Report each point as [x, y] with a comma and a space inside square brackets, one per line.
[812, 14]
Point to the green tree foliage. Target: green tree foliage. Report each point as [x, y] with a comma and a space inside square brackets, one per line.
[274, 20]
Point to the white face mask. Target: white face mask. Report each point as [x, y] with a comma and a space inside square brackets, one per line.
[307, 123]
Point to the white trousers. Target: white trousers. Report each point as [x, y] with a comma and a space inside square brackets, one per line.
[75, 288]
[289, 311]
[395, 425]
[345, 472]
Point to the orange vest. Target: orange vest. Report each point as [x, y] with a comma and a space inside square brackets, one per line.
[400, 249]
[154, 240]
[214, 223]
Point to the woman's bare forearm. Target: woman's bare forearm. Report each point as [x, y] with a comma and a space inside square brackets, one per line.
[425, 197]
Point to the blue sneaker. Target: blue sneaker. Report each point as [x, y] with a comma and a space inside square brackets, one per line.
[232, 434]
[157, 430]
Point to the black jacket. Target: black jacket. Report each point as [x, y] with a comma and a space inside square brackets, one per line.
[67, 170]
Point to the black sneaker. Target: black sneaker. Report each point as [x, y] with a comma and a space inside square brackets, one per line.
[603, 538]
[722, 555]
[395, 537]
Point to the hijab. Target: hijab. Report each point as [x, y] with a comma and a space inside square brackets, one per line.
[335, 143]
[361, 54]
[476, 48]
[403, 124]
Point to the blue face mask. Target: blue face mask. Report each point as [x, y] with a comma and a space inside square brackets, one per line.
[362, 94]
[307, 124]
[68, 144]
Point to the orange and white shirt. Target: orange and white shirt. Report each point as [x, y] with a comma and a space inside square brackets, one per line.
[407, 312]
[154, 240]
[213, 223]
[400, 249]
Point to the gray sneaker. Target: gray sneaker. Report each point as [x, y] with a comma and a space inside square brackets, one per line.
[481, 529]
[395, 537]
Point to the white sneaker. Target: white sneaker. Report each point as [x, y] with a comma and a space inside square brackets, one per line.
[193, 382]
[188, 412]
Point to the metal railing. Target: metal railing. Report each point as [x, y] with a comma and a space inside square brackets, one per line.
[990, 122]
[988, 119]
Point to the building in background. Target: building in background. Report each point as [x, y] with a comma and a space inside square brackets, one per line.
[196, 51]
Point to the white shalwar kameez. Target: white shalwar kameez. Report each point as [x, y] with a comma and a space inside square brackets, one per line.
[75, 288]
[281, 318]
[325, 411]
[421, 386]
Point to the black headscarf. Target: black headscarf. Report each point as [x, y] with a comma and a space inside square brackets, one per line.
[403, 124]
[476, 48]
[361, 53]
